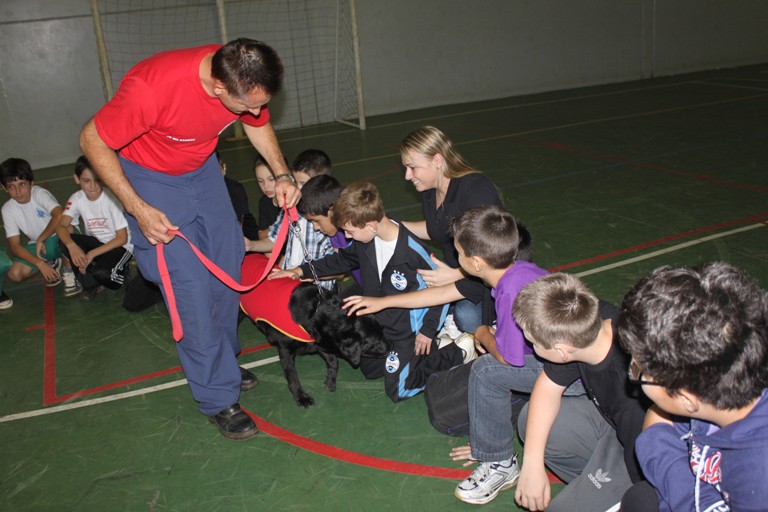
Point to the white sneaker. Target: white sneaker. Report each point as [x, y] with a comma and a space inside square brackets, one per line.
[466, 342]
[71, 286]
[449, 326]
[487, 480]
[5, 301]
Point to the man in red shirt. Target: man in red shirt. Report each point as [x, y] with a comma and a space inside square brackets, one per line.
[164, 122]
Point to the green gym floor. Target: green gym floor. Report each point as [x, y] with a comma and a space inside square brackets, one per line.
[612, 181]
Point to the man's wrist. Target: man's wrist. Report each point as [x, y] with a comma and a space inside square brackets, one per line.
[285, 176]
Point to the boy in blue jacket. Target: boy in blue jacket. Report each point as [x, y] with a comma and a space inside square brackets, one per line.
[699, 345]
[389, 257]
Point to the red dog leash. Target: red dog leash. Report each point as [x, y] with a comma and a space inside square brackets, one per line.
[290, 216]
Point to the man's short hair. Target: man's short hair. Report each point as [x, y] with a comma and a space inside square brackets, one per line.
[558, 308]
[82, 164]
[701, 329]
[318, 195]
[358, 203]
[244, 64]
[14, 169]
[313, 162]
[489, 232]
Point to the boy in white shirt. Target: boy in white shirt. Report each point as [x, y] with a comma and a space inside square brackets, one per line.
[33, 212]
[101, 256]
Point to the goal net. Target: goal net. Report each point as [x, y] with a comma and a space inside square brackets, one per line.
[316, 39]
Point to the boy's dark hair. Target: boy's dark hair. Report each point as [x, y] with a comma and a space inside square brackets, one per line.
[558, 308]
[489, 232]
[82, 164]
[244, 64]
[14, 169]
[357, 204]
[701, 329]
[318, 195]
[314, 162]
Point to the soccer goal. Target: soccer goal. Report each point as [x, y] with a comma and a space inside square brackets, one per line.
[317, 40]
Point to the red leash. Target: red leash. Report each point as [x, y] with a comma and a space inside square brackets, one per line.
[290, 215]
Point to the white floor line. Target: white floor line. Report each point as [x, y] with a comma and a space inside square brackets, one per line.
[269, 360]
[119, 396]
[668, 250]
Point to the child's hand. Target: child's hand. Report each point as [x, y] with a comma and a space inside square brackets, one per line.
[291, 273]
[48, 272]
[463, 452]
[78, 257]
[423, 344]
[359, 305]
[40, 249]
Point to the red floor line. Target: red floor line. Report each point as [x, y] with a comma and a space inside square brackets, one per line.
[647, 165]
[659, 241]
[360, 459]
[49, 357]
[34, 327]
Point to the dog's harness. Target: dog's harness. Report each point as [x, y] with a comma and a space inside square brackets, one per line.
[290, 217]
[269, 302]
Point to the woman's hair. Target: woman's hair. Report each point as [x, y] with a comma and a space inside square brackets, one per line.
[430, 141]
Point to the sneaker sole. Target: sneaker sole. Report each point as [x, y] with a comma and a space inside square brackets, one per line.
[72, 293]
[483, 501]
[6, 305]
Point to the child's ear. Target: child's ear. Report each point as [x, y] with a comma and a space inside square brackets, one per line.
[77, 180]
[563, 351]
[689, 401]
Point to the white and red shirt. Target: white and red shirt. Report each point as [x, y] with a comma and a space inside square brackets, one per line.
[101, 218]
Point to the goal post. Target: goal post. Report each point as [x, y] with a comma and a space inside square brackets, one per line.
[316, 39]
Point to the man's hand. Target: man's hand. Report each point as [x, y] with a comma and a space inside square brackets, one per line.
[443, 274]
[359, 305]
[287, 194]
[533, 491]
[154, 224]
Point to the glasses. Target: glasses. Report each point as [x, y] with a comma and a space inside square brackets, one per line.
[635, 375]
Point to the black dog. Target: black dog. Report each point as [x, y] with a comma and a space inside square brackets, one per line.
[320, 318]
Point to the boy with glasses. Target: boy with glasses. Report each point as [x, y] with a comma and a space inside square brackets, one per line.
[699, 345]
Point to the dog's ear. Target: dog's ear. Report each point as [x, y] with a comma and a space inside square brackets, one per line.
[303, 304]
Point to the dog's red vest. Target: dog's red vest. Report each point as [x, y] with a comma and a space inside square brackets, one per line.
[268, 302]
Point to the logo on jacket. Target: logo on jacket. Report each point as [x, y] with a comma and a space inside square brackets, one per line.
[398, 280]
[392, 363]
[600, 477]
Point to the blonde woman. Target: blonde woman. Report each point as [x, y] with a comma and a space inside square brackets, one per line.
[449, 187]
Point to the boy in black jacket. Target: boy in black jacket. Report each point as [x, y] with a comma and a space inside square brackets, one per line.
[388, 256]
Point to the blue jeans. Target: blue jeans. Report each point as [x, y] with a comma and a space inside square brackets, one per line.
[491, 432]
[468, 315]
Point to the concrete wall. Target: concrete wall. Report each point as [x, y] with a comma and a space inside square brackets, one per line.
[415, 53]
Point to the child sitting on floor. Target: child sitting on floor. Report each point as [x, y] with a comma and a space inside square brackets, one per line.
[34, 212]
[100, 257]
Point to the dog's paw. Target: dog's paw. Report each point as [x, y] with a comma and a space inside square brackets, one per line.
[305, 401]
[330, 384]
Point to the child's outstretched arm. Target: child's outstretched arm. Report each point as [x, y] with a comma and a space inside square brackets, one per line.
[260, 245]
[437, 296]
